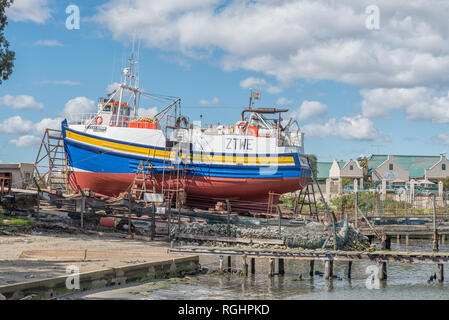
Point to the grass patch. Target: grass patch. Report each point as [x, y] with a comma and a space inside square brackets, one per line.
[15, 222]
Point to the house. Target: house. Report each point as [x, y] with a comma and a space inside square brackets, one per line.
[17, 174]
[400, 167]
[440, 170]
[345, 170]
[323, 169]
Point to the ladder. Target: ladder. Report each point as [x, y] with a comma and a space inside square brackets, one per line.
[50, 167]
[144, 174]
[307, 197]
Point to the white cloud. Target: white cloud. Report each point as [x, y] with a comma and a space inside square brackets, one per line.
[418, 103]
[49, 43]
[47, 123]
[348, 128]
[79, 105]
[259, 84]
[150, 112]
[37, 11]
[26, 141]
[20, 102]
[112, 87]
[410, 49]
[309, 110]
[282, 101]
[16, 125]
[442, 138]
[214, 100]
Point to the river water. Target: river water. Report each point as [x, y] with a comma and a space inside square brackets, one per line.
[405, 281]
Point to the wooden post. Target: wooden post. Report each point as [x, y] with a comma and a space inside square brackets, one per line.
[129, 211]
[253, 265]
[281, 269]
[435, 231]
[228, 207]
[271, 267]
[398, 239]
[295, 206]
[312, 266]
[220, 268]
[169, 217]
[386, 242]
[179, 206]
[280, 220]
[382, 270]
[440, 272]
[229, 264]
[153, 222]
[328, 269]
[83, 207]
[356, 209]
[406, 239]
[445, 202]
[349, 269]
[244, 266]
[38, 206]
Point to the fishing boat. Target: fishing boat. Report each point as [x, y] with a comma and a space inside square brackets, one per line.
[249, 163]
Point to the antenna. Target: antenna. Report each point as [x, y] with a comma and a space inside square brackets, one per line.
[250, 97]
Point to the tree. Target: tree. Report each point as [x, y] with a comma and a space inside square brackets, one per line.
[364, 164]
[313, 162]
[7, 56]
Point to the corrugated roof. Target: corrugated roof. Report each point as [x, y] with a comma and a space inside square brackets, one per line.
[376, 160]
[416, 165]
[323, 169]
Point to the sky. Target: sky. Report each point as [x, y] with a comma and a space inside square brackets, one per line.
[361, 77]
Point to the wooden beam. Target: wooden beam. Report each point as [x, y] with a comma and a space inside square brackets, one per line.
[281, 269]
[382, 270]
[253, 265]
[312, 266]
[328, 269]
[271, 267]
[377, 256]
[244, 266]
[220, 268]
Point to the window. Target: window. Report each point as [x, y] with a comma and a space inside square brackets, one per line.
[443, 166]
[390, 166]
[351, 167]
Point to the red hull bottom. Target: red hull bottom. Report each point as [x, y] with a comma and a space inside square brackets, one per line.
[202, 192]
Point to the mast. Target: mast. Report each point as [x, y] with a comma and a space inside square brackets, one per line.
[129, 85]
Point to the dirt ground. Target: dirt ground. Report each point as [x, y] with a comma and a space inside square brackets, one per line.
[40, 256]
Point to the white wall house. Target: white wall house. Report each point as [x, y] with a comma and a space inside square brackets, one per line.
[439, 170]
[389, 170]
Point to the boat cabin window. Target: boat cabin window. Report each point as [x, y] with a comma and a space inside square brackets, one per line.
[125, 111]
[107, 108]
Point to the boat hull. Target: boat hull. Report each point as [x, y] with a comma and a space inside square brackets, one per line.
[202, 192]
[108, 167]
